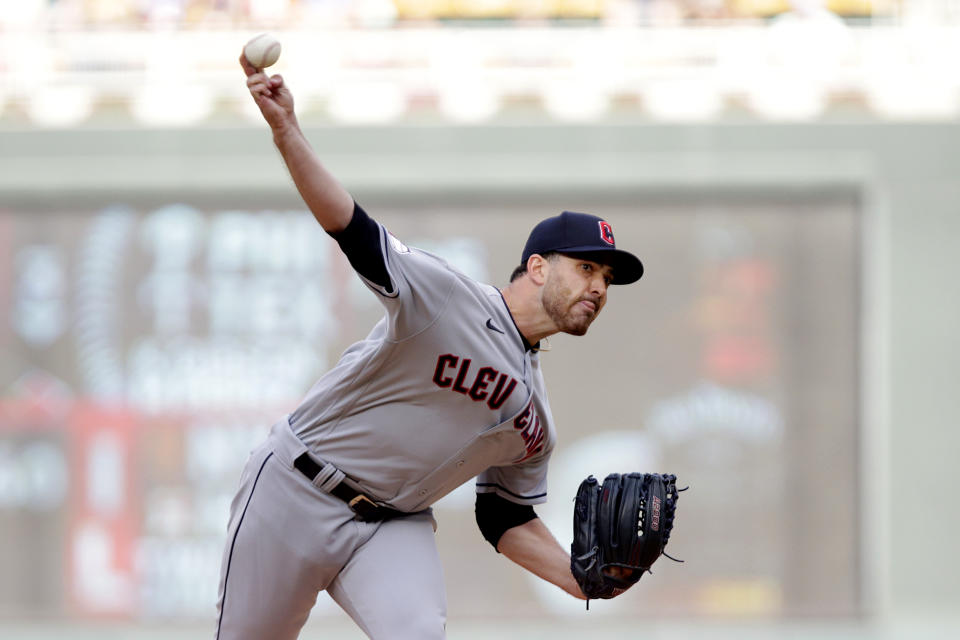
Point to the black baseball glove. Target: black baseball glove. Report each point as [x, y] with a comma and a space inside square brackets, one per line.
[620, 528]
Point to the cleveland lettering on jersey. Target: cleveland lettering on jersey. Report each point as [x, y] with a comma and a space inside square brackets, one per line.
[531, 430]
[478, 388]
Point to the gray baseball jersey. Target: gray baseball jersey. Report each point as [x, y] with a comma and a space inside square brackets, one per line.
[441, 390]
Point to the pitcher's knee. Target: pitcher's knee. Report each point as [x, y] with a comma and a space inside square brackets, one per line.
[251, 630]
[416, 626]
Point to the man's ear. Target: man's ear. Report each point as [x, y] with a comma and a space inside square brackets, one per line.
[537, 268]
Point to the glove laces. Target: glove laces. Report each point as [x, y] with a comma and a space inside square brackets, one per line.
[670, 511]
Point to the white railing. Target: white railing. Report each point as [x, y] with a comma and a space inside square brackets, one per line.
[784, 70]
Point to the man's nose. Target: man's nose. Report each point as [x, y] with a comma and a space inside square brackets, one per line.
[599, 285]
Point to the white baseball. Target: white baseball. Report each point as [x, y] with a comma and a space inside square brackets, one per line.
[262, 50]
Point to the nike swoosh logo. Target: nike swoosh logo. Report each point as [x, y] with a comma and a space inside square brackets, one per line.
[492, 327]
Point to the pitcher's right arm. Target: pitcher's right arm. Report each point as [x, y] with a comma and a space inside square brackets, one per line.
[326, 198]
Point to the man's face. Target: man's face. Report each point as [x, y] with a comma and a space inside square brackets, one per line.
[574, 292]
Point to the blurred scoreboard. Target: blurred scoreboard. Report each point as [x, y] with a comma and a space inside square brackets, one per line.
[147, 347]
[145, 352]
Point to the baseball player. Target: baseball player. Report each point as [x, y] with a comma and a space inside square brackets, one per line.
[446, 387]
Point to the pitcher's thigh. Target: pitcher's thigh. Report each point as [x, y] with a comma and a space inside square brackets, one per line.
[393, 585]
[269, 581]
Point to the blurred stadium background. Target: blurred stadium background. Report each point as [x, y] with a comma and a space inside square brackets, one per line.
[788, 173]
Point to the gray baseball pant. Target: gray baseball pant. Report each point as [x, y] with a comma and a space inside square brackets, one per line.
[288, 540]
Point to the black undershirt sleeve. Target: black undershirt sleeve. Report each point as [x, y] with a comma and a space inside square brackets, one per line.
[360, 241]
[495, 515]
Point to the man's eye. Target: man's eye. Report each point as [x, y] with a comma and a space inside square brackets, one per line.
[586, 267]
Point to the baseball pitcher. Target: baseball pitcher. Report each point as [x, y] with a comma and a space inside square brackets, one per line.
[446, 387]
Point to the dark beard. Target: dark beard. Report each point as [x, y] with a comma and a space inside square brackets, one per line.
[553, 303]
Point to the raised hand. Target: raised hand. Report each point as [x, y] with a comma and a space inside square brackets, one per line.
[271, 95]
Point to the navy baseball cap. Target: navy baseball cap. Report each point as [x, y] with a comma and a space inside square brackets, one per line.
[587, 236]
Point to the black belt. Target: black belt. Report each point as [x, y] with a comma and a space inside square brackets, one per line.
[365, 508]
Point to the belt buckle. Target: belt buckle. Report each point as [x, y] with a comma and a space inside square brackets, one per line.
[363, 506]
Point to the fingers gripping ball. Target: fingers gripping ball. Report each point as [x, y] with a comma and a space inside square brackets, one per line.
[620, 528]
[262, 50]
